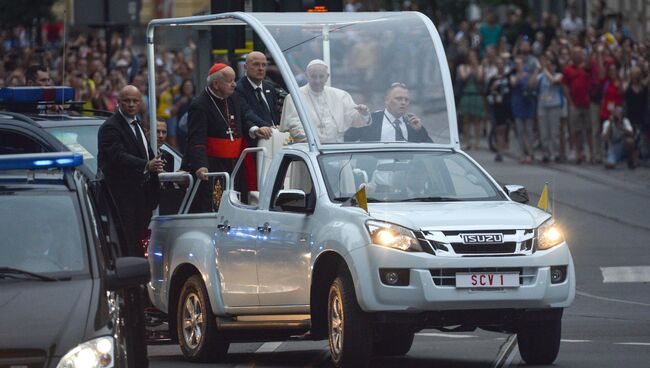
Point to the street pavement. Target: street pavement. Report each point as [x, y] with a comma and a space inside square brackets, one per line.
[605, 217]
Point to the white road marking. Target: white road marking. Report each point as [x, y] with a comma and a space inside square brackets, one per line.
[567, 340]
[453, 336]
[626, 274]
[505, 351]
[633, 343]
[268, 347]
[582, 293]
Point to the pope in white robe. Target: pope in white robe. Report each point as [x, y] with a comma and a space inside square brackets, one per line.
[331, 110]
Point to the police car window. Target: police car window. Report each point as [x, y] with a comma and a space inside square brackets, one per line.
[79, 139]
[15, 143]
[41, 233]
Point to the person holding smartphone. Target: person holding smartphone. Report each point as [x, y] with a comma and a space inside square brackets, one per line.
[618, 134]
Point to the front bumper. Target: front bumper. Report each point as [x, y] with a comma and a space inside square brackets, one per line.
[422, 294]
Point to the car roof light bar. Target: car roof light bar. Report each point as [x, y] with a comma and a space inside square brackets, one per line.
[31, 161]
[36, 95]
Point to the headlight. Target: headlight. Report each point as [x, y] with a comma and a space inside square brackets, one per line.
[96, 353]
[392, 236]
[548, 235]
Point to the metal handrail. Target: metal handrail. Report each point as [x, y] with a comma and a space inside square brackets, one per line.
[178, 177]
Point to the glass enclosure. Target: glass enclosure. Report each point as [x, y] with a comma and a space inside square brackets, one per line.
[362, 77]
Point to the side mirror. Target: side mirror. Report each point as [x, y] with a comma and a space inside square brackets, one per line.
[129, 272]
[292, 200]
[517, 193]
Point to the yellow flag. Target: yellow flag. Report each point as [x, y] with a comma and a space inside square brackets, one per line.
[362, 200]
[543, 199]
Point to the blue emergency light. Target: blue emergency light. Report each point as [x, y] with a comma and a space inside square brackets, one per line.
[36, 95]
[30, 161]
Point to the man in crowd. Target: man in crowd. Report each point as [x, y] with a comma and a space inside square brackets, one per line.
[161, 136]
[331, 110]
[130, 170]
[38, 75]
[393, 123]
[215, 136]
[578, 80]
[619, 136]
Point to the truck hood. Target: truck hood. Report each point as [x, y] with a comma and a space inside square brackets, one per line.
[460, 215]
[40, 318]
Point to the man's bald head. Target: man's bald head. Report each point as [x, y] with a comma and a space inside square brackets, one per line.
[256, 66]
[130, 100]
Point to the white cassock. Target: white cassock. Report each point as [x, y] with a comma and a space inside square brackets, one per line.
[332, 112]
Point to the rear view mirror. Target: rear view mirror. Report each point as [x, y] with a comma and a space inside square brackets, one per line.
[293, 200]
[129, 272]
[517, 193]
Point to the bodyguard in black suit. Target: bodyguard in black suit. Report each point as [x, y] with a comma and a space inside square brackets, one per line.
[257, 97]
[130, 168]
[393, 123]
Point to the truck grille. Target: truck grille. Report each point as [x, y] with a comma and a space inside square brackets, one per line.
[477, 243]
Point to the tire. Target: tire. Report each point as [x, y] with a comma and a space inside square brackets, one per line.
[396, 342]
[196, 326]
[349, 328]
[539, 341]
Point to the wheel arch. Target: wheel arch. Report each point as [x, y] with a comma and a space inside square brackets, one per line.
[181, 274]
[324, 271]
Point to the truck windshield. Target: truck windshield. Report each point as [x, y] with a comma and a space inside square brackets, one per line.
[359, 71]
[41, 234]
[433, 176]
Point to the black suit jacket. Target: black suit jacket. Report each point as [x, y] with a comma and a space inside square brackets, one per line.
[372, 132]
[122, 161]
[253, 110]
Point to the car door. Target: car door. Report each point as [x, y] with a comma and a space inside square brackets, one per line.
[283, 242]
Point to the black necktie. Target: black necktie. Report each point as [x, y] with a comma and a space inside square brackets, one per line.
[138, 137]
[258, 93]
[399, 136]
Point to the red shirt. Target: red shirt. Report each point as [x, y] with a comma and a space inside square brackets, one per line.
[612, 97]
[578, 80]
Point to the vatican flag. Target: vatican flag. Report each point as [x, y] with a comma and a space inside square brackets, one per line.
[362, 200]
[543, 199]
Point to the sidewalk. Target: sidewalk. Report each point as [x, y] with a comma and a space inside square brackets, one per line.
[637, 180]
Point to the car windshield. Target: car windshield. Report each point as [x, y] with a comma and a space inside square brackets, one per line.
[80, 139]
[364, 77]
[41, 234]
[432, 176]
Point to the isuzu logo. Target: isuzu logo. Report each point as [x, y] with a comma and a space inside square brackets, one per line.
[482, 238]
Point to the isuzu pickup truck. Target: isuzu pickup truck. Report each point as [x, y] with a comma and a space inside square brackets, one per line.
[440, 244]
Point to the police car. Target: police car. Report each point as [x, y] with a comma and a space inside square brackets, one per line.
[66, 295]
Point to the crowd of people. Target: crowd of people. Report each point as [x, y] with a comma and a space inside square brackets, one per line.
[565, 90]
[570, 91]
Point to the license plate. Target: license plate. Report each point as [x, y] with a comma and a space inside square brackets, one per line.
[486, 280]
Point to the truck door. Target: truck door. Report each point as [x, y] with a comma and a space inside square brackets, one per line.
[284, 238]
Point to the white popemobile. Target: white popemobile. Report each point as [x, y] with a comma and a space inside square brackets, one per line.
[441, 245]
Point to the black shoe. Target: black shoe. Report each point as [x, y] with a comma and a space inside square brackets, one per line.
[546, 160]
[631, 165]
[498, 158]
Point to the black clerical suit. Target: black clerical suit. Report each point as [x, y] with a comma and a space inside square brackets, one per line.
[123, 158]
[255, 109]
[210, 145]
[372, 132]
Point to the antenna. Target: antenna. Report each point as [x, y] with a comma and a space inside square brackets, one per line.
[63, 56]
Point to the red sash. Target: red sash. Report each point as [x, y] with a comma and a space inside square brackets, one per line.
[224, 147]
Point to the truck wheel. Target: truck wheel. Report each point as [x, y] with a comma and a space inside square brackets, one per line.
[539, 341]
[196, 324]
[393, 343]
[349, 328]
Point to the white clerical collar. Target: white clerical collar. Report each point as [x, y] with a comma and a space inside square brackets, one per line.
[317, 94]
[390, 116]
[255, 86]
[211, 92]
[128, 119]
